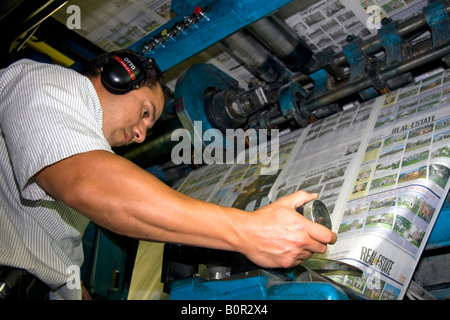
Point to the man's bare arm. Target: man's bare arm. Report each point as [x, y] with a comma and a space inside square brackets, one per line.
[118, 195]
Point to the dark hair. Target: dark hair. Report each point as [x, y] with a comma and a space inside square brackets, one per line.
[154, 75]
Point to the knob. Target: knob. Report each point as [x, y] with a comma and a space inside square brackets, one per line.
[178, 28]
[167, 34]
[317, 212]
[189, 21]
[200, 13]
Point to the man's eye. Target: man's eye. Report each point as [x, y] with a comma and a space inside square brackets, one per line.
[146, 113]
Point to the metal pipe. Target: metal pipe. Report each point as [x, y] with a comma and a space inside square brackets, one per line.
[276, 35]
[388, 73]
[404, 29]
[244, 47]
[157, 147]
[415, 62]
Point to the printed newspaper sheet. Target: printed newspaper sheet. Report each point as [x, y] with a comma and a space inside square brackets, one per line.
[240, 185]
[381, 167]
[401, 183]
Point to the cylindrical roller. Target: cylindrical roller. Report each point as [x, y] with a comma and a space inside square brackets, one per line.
[244, 47]
[276, 35]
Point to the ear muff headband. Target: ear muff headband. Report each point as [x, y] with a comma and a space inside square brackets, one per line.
[123, 72]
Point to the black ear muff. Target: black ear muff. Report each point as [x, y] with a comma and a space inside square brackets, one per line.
[123, 72]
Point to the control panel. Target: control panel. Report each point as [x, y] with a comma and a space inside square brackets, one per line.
[200, 26]
[176, 29]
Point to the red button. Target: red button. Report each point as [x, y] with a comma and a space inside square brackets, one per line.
[198, 10]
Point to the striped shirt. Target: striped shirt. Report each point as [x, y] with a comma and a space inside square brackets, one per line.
[47, 113]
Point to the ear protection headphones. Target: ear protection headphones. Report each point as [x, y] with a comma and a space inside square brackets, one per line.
[123, 72]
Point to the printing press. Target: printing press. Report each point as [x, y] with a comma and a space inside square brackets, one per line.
[293, 85]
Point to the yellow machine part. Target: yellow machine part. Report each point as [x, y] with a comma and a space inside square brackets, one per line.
[43, 48]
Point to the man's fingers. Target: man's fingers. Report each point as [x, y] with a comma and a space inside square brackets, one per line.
[322, 234]
[299, 198]
[299, 238]
[316, 231]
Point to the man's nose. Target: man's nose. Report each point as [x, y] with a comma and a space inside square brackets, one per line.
[140, 133]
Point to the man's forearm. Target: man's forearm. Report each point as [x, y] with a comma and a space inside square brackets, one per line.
[120, 196]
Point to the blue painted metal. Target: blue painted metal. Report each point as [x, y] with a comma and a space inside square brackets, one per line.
[189, 94]
[264, 286]
[357, 61]
[103, 258]
[320, 79]
[440, 236]
[287, 99]
[439, 21]
[223, 18]
[392, 43]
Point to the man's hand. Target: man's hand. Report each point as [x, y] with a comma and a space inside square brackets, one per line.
[85, 293]
[278, 236]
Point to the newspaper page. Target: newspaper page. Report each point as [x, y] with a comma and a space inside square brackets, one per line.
[324, 159]
[327, 23]
[394, 9]
[115, 25]
[203, 182]
[401, 184]
[248, 184]
[382, 168]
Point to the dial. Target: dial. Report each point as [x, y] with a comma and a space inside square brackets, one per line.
[317, 212]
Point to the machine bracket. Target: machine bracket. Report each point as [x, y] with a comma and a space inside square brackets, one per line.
[439, 21]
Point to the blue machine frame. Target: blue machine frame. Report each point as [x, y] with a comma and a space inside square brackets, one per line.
[221, 20]
[263, 285]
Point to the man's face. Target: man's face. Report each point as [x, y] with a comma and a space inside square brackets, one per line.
[127, 117]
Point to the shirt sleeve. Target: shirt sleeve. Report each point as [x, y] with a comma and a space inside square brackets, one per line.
[48, 113]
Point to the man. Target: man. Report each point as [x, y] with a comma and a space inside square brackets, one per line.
[58, 172]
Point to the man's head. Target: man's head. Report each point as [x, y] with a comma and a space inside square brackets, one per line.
[131, 92]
